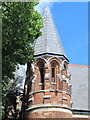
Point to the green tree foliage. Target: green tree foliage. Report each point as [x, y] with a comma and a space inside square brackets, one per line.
[21, 25]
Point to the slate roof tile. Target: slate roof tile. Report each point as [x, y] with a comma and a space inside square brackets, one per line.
[50, 41]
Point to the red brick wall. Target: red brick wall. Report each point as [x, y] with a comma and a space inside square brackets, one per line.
[57, 93]
[49, 114]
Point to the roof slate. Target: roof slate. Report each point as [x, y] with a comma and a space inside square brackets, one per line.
[50, 41]
[79, 81]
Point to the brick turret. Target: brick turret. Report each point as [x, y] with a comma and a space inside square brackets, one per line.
[48, 92]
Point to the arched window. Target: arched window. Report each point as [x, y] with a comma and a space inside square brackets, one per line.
[53, 73]
[65, 69]
[40, 65]
[42, 76]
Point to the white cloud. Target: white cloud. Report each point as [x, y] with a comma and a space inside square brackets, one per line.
[43, 3]
[40, 7]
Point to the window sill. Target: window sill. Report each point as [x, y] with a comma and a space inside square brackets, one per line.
[53, 83]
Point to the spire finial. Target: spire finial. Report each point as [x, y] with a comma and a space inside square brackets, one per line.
[46, 8]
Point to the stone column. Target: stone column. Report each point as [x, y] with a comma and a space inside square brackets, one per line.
[47, 78]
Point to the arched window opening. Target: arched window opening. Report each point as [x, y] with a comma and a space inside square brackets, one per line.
[54, 68]
[42, 76]
[65, 69]
[53, 73]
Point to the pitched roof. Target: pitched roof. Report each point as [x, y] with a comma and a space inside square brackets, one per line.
[50, 41]
[79, 81]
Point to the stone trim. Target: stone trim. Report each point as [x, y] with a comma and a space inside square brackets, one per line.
[80, 116]
[55, 57]
[50, 90]
[40, 83]
[53, 83]
[63, 80]
[64, 98]
[71, 102]
[39, 91]
[31, 99]
[75, 65]
[51, 54]
[47, 96]
[47, 76]
[54, 107]
[56, 90]
[64, 105]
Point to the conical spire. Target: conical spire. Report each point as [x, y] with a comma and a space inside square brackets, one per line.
[50, 41]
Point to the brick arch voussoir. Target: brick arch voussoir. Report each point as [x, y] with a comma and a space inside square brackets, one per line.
[40, 60]
[64, 62]
[56, 60]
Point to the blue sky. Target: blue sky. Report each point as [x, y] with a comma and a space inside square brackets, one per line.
[71, 19]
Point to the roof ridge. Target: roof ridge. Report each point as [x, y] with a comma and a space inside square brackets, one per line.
[77, 65]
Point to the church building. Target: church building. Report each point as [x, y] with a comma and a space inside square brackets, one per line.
[56, 88]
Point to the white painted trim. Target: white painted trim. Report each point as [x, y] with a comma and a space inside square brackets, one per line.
[49, 105]
[64, 105]
[71, 102]
[31, 99]
[51, 90]
[41, 58]
[80, 116]
[47, 96]
[40, 83]
[64, 98]
[52, 109]
[53, 83]
[55, 57]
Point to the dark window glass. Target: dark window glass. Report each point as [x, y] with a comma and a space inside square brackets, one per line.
[64, 66]
[53, 74]
[42, 77]
[41, 71]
